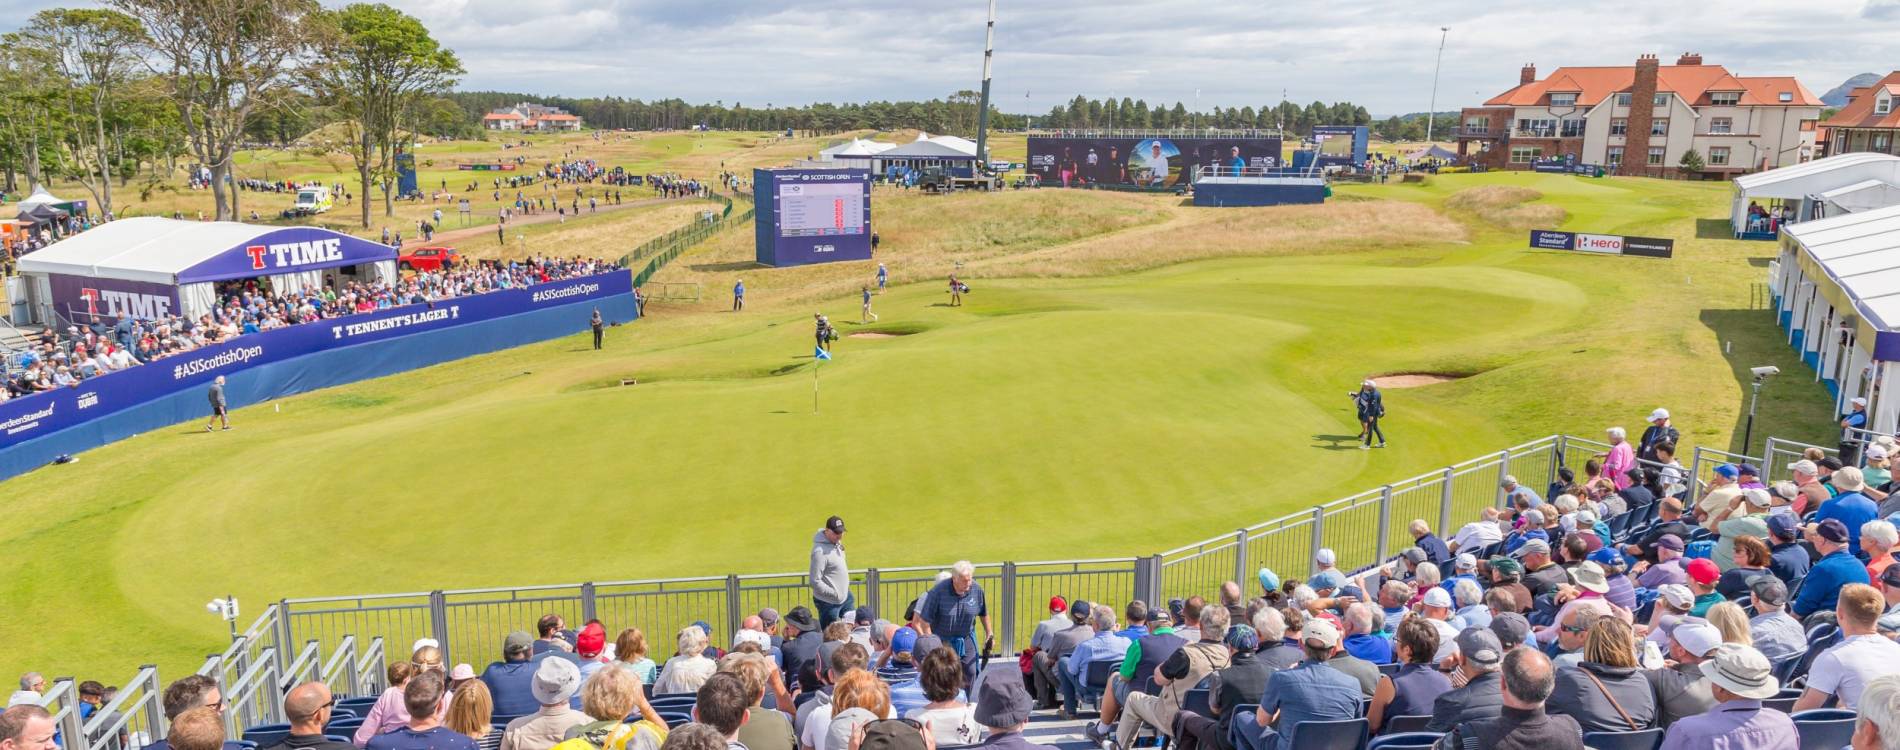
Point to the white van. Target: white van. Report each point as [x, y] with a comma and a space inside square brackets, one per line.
[313, 200]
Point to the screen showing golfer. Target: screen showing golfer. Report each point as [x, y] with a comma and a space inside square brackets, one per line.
[1150, 160]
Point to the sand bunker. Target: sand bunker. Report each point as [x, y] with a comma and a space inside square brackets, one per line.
[1413, 379]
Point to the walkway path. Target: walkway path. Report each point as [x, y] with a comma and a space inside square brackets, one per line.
[519, 220]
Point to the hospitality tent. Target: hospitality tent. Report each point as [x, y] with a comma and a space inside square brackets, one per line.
[150, 267]
[1860, 196]
[1837, 291]
[1433, 152]
[1799, 187]
[855, 147]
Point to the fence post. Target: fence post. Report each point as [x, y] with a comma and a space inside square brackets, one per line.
[1563, 449]
[1319, 538]
[1385, 525]
[1550, 472]
[69, 725]
[283, 630]
[154, 718]
[1008, 636]
[1695, 475]
[733, 605]
[1145, 577]
[439, 623]
[873, 597]
[1504, 470]
[1444, 500]
[587, 602]
[1240, 557]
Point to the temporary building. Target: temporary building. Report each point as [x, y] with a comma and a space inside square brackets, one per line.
[1799, 188]
[149, 267]
[1836, 287]
[855, 147]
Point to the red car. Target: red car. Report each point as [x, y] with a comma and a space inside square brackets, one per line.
[429, 259]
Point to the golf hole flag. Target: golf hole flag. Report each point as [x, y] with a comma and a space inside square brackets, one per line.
[820, 353]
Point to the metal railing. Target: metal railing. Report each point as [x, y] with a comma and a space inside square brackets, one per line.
[661, 250]
[1155, 133]
[133, 718]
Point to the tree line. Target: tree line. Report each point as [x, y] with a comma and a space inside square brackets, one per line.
[1083, 112]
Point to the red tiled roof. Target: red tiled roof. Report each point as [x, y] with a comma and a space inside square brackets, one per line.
[557, 117]
[1691, 82]
[1859, 113]
[501, 116]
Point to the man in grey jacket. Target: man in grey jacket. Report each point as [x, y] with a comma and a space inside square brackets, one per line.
[830, 576]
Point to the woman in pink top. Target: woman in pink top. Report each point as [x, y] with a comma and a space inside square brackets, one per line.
[389, 712]
[1621, 458]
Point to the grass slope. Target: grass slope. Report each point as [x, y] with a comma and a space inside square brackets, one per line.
[1036, 420]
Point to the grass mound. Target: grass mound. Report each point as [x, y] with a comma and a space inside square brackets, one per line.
[1507, 206]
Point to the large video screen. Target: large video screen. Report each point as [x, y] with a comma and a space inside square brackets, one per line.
[1144, 162]
[820, 210]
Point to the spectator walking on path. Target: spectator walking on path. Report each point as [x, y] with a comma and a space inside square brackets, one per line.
[595, 322]
[738, 295]
[220, 410]
[883, 278]
[830, 576]
[1371, 408]
[864, 313]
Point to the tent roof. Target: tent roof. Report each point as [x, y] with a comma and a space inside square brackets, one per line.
[1434, 151]
[1863, 195]
[947, 148]
[40, 197]
[160, 250]
[1860, 252]
[858, 147]
[1820, 175]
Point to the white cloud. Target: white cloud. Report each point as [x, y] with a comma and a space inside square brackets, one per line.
[1378, 53]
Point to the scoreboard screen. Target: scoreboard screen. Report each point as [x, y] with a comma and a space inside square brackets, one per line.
[809, 216]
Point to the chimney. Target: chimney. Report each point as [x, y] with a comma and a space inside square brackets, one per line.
[1642, 112]
[1528, 74]
[1690, 58]
[1856, 93]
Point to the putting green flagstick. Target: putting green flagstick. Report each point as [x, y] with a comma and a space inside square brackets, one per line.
[814, 385]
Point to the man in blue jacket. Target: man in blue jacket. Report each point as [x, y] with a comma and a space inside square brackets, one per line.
[1851, 508]
[1837, 567]
[511, 681]
[1370, 407]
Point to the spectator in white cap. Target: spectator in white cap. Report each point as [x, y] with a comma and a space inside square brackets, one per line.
[1463, 567]
[1329, 578]
[1740, 678]
[1876, 468]
[1474, 537]
[1659, 432]
[1436, 607]
[1745, 516]
[1618, 460]
[1683, 690]
[555, 682]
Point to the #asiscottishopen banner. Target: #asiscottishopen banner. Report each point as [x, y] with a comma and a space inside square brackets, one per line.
[30, 417]
[1607, 244]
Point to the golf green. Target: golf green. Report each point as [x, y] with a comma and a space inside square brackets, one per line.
[1044, 419]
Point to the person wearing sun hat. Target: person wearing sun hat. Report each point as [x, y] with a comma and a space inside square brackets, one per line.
[1682, 690]
[555, 683]
[1592, 584]
[1740, 678]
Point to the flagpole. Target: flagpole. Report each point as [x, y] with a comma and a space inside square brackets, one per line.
[814, 384]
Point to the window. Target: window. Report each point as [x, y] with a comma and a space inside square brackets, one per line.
[1880, 141]
[1619, 126]
[1563, 100]
[1785, 97]
[1524, 154]
[1721, 125]
[1661, 100]
[1537, 128]
[1718, 156]
[1623, 100]
[1883, 105]
[1477, 125]
[1573, 128]
[1655, 156]
[1725, 98]
[1616, 155]
[1659, 126]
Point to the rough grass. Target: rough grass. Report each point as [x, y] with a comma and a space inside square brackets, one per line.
[1507, 206]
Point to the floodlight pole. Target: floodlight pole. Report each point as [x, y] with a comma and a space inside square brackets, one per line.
[1748, 428]
[1432, 111]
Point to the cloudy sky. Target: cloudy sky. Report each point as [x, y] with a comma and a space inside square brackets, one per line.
[1378, 53]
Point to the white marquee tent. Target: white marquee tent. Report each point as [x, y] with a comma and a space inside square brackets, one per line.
[1801, 186]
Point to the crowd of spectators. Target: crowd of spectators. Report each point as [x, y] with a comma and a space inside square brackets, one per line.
[62, 361]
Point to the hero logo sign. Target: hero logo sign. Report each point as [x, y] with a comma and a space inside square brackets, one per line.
[294, 253]
[1600, 243]
[124, 304]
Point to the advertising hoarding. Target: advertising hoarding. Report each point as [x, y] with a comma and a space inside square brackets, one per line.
[1157, 163]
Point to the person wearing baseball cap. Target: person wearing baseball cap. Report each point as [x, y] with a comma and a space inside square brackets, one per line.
[1740, 678]
[1476, 662]
[1703, 575]
[1062, 642]
[1854, 419]
[830, 575]
[1659, 432]
[1541, 574]
[1787, 558]
[1836, 568]
[1773, 631]
[1047, 629]
[1329, 578]
[509, 680]
[1746, 515]
[1850, 507]
[1310, 691]
[1723, 487]
[1668, 567]
[1508, 575]
[1683, 691]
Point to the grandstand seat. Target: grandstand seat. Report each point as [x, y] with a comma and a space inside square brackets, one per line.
[1388, 669]
[1197, 701]
[343, 713]
[501, 720]
[1405, 741]
[247, 745]
[266, 734]
[1647, 739]
[359, 706]
[1825, 728]
[1405, 724]
[675, 699]
[346, 725]
[1820, 638]
[1784, 705]
[1095, 680]
[675, 719]
[1365, 705]
[1233, 730]
[337, 738]
[1346, 734]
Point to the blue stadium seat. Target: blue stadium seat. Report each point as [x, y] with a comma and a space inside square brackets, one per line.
[1233, 730]
[337, 738]
[343, 726]
[1647, 739]
[1405, 741]
[342, 713]
[1197, 701]
[675, 719]
[266, 734]
[1405, 724]
[1365, 705]
[1348, 734]
[1820, 638]
[1388, 669]
[359, 706]
[1825, 728]
[675, 699]
[1095, 680]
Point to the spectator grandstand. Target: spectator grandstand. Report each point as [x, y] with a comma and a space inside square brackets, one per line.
[1538, 629]
[57, 360]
